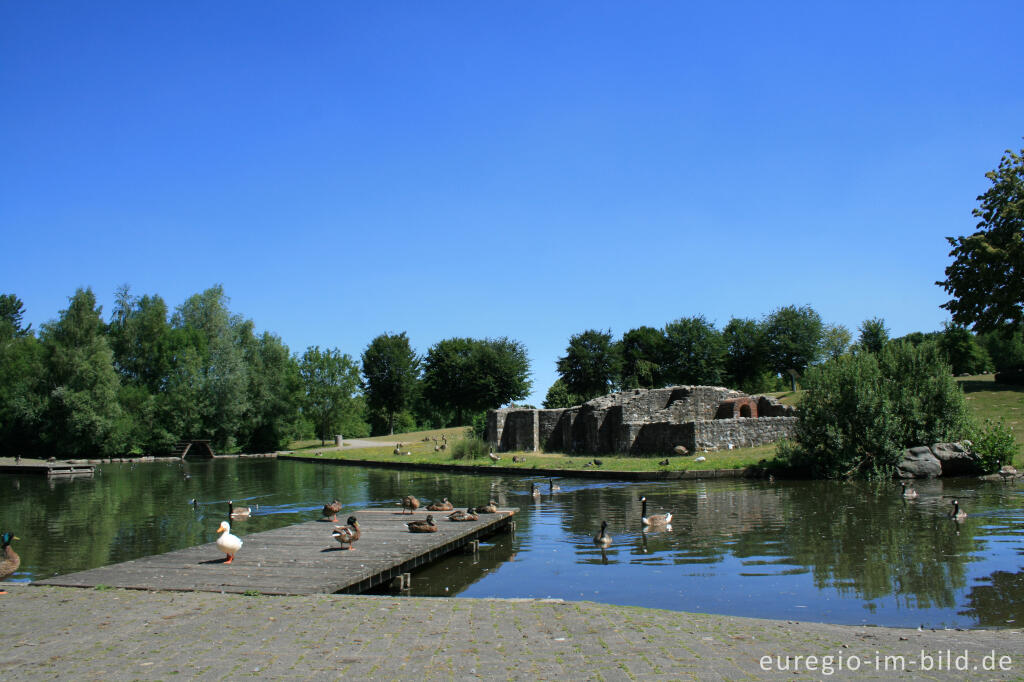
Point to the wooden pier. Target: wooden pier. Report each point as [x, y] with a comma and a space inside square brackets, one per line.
[299, 559]
[39, 467]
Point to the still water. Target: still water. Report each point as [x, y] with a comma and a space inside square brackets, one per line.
[799, 550]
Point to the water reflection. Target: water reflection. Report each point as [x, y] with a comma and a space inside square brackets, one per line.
[854, 553]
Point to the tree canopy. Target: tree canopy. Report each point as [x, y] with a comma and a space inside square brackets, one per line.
[390, 371]
[470, 375]
[986, 277]
[793, 339]
[330, 379]
[590, 364]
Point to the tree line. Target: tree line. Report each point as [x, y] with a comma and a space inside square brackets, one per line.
[150, 377]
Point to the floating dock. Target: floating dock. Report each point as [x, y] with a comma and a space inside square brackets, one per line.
[300, 559]
[38, 467]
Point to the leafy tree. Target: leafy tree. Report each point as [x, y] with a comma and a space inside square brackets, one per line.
[642, 350]
[745, 362]
[472, 375]
[82, 415]
[1005, 349]
[873, 335]
[273, 391]
[140, 336]
[330, 379]
[793, 339]
[390, 372]
[964, 352]
[985, 278]
[835, 340]
[694, 352]
[560, 396]
[861, 411]
[12, 310]
[590, 364]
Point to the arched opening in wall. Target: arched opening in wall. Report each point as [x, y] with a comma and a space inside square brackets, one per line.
[745, 411]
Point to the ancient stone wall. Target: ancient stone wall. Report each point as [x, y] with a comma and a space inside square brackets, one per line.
[719, 434]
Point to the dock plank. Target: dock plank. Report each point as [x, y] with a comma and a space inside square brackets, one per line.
[298, 559]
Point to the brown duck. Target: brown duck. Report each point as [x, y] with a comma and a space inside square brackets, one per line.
[427, 525]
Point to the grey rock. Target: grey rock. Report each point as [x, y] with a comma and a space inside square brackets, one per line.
[918, 462]
[956, 459]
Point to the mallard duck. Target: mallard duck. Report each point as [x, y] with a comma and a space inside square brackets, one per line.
[534, 490]
[653, 519]
[602, 538]
[228, 543]
[346, 535]
[552, 486]
[443, 505]
[411, 503]
[460, 515]
[331, 510]
[957, 514]
[908, 493]
[426, 525]
[238, 512]
[9, 559]
[489, 508]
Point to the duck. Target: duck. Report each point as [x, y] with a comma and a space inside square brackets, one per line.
[598, 462]
[908, 493]
[534, 490]
[490, 508]
[443, 505]
[346, 535]
[238, 512]
[228, 543]
[9, 559]
[517, 459]
[460, 515]
[663, 462]
[602, 539]
[553, 487]
[957, 514]
[331, 510]
[411, 503]
[653, 519]
[426, 525]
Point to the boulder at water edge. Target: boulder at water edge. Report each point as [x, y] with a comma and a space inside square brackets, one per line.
[918, 462]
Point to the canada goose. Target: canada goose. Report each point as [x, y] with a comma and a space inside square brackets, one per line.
[9, 559]
[517, 459]
[331, 510]
[411, 503]
[443, 505]
[460, 515]
[534, 490]
[553, 487]
[598, 462]
[957, 514]
[424, 526]
[494, 457]
[346, 535]
[602, 539]
[908, 493]
[1008, 473]
[653, 519]
[228, 543]
[238, 512]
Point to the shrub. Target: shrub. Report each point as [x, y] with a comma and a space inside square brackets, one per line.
[994, 444]
[860, 411]
[470, 448]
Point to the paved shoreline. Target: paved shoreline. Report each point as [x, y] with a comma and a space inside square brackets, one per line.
[110, 634]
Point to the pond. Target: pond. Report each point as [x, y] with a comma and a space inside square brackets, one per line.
[853, 553]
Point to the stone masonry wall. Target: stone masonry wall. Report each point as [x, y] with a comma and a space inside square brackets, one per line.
[717, 434]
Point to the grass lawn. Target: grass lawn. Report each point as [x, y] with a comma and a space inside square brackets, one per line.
[989, 400]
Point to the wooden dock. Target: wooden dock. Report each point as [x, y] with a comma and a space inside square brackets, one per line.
[299, 559]
[39, 467]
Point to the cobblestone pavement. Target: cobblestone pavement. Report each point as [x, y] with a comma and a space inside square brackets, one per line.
[109, 634]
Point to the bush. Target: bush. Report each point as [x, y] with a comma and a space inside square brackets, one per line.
[860, 411]
[470, 448]
[994, 444]
[478, 423]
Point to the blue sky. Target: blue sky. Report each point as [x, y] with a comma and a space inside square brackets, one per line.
[521, 169]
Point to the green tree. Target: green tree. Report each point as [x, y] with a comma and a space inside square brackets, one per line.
[985, 278]
[12, 312]
[82, 415]
[274, 392]
[963, 351]
[1005, 349]
[873, 335]
[642, 350]
[745, 360]
[330, 379]
[793, 340]
[560, 396]
[390, 372]
[694, 352]
[140, 336]
[590, 364]
[835, 340]
[471, 375]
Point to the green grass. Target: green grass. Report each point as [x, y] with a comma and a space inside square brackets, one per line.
[989, 400]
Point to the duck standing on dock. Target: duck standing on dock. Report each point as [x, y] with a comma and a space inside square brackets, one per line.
[331, 511]
[346, 535]
[9, 559]
[409, 502]
[426, 525]
[228, 543]
[443, 505]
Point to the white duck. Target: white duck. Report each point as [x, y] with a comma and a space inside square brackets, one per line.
[228, 543]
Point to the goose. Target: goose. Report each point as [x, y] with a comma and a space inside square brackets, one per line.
[443, 505]
[411, 503]
[598, 462]
[552, 486]
[908, 493]
[534, 490]
[490, 508]
[9, 559]
[346, 535]
[517, 459]
[653, 519]
[957, 514]
[602, 538]
[331, 510]
[238, 512]
[663, 462]
[494, 457]
[228, 543]
[460, 515]
[426, 525]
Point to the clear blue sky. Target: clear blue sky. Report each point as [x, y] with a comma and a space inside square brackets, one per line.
[485, 169]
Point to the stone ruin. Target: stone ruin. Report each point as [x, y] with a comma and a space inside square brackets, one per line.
[646, 422]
